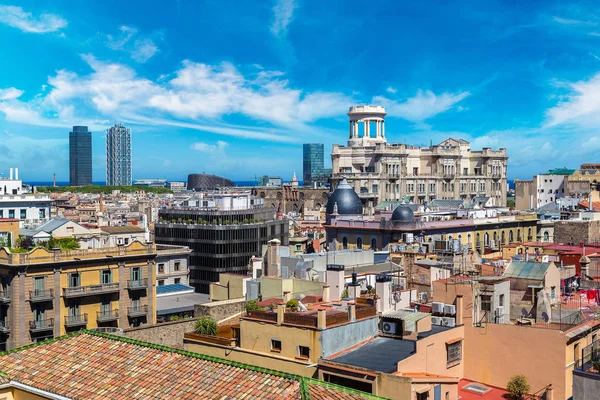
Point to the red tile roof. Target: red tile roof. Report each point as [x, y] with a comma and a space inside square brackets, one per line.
[91, 365]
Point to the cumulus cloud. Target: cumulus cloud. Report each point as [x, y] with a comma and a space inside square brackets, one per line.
[424, 105]
[10, 93]
[391, 90]
[218, 147]
[581, 106]
[18, 18]
[140, 49]
[283, 13]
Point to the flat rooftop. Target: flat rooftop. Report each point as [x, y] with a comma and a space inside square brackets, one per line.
[381, 354]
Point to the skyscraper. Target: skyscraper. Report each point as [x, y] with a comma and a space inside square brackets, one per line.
[118, 156]
[312, 164]
[80, 156]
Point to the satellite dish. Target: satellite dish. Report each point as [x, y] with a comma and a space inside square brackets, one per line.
[396, 297]
[545, 317]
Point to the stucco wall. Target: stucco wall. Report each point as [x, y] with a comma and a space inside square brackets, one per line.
[167, 334]
[334, 340]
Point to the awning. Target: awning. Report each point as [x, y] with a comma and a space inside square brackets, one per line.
[455, 340]
[423, 389]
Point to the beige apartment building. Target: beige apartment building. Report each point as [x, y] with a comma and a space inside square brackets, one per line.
[380, 171]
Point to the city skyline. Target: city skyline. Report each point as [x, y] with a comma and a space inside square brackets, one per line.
[490, 74]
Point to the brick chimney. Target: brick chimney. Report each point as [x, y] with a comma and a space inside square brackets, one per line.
[273, 258]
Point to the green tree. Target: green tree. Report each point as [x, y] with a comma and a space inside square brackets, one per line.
[510, 203]
[206, 326]
[252, 305]
[344, 293]
[292, 304]
[518, 386]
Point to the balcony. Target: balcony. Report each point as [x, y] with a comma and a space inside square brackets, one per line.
[107, 315]
[496, 177]
[76, 320]
[91, 290]
[39, 296]
[4, 296]
[448, 177]
[139, 311]
[4, 328]
[137, 284]
[41, 325]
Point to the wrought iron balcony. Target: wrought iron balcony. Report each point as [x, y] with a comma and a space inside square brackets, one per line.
[91, 290]
[41, 325]
[107, 315]
[38, 296]
[137, 284]
[4, 328]
[76, 320]
[139, 311]
[4, 296]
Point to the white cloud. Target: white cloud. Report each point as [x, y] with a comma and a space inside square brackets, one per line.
[27, 22]
[424, 105]
[10, 93]
[218, 147]
[391, 90]
[580, 107]
[283, 13]
[140, 49]
[570, 21]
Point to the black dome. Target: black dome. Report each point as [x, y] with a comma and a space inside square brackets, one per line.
[348, 202]
[403, 214]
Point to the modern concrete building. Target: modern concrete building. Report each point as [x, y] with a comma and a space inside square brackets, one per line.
[118, 156]
[381, 171]
[45, 294]
[542, 190]
[31, 209]
[80, 156]
[223, 230]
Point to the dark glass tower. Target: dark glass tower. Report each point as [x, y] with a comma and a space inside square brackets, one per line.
[312, 164]
[80, 156]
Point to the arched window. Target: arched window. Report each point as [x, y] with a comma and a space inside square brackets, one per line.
[510, 236]
[477, 240]
[546, 236]
[519, 236]
[345, 242]
[359, 243]
[503, 238]
[469, 239]
[495, 237]
[486, 239]
[529, 234]
[373, 244]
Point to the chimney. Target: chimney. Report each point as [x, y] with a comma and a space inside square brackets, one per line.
[352, 312]
[459, 309]
[274, 258]
[383, 286]
[335, 280]
[321, 319]
[287, 296]
[280, 313]
[326, 294]
[354, 287]
[11, 174]
[16, 174]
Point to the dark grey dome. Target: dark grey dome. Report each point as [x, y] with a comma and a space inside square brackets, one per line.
[403, 214]
[348, 202]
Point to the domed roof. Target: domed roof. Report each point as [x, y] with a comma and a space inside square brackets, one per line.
[403, 214]
[348, 202]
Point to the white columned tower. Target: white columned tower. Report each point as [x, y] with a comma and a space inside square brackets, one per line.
[362, 119]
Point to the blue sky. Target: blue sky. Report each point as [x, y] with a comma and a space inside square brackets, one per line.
[235, 87]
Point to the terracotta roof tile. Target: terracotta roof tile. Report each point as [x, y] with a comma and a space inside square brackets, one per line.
[90, 365]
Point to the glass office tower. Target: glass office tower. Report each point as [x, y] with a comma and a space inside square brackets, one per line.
[312, 164]
[80, 156]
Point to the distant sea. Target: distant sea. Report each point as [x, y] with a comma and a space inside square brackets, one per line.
[41, 183]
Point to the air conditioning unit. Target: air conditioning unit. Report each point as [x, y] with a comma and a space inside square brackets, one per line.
[437, 307]
[389, 328]
[450, 309]
[436, 320]
[449, 322]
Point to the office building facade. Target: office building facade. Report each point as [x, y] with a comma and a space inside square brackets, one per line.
[313, 167]
[80, 156]
[118, 156]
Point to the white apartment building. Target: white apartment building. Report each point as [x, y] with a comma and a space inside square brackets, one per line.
[379, 171]
[32, 210]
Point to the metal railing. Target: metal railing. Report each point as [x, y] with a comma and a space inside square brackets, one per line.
[42, 324]
[41, 295]
[138, 284]
[590, 358]
[91, 289]
[137, 311]
[107, 315]
[79, 319]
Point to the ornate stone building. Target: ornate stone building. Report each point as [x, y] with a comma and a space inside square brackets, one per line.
[292, 198]
[380, 171]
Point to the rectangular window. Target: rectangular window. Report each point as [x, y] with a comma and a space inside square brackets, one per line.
[465, 171]
[136, 275]
[423, 396]
[177, 280]
[276, 345]
[161, 268]
[161, 283]
[482, 187]
[298, 247]
[177, 265]
[576, 352]
[23, 214]
[74, 308]
[105, 307]
[415, 171]
[486, 303]
[126, 240]
[106, 276]
[1, 213]
[42, 213]
[74, 280]
[454, 353]
[501, 301]
[11, 213]
[39, 286]
[553, 292]
[303, 352]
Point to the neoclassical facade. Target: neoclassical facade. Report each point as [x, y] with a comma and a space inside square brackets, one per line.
[381, 171]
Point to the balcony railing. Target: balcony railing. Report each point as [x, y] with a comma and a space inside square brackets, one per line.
[41, 325]
[139, 311]
[107, 315]
[4, 296]
[137, 284]
[76, 320]
[4, 328]
[262, 315]
[36, 296]
[91, 290]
